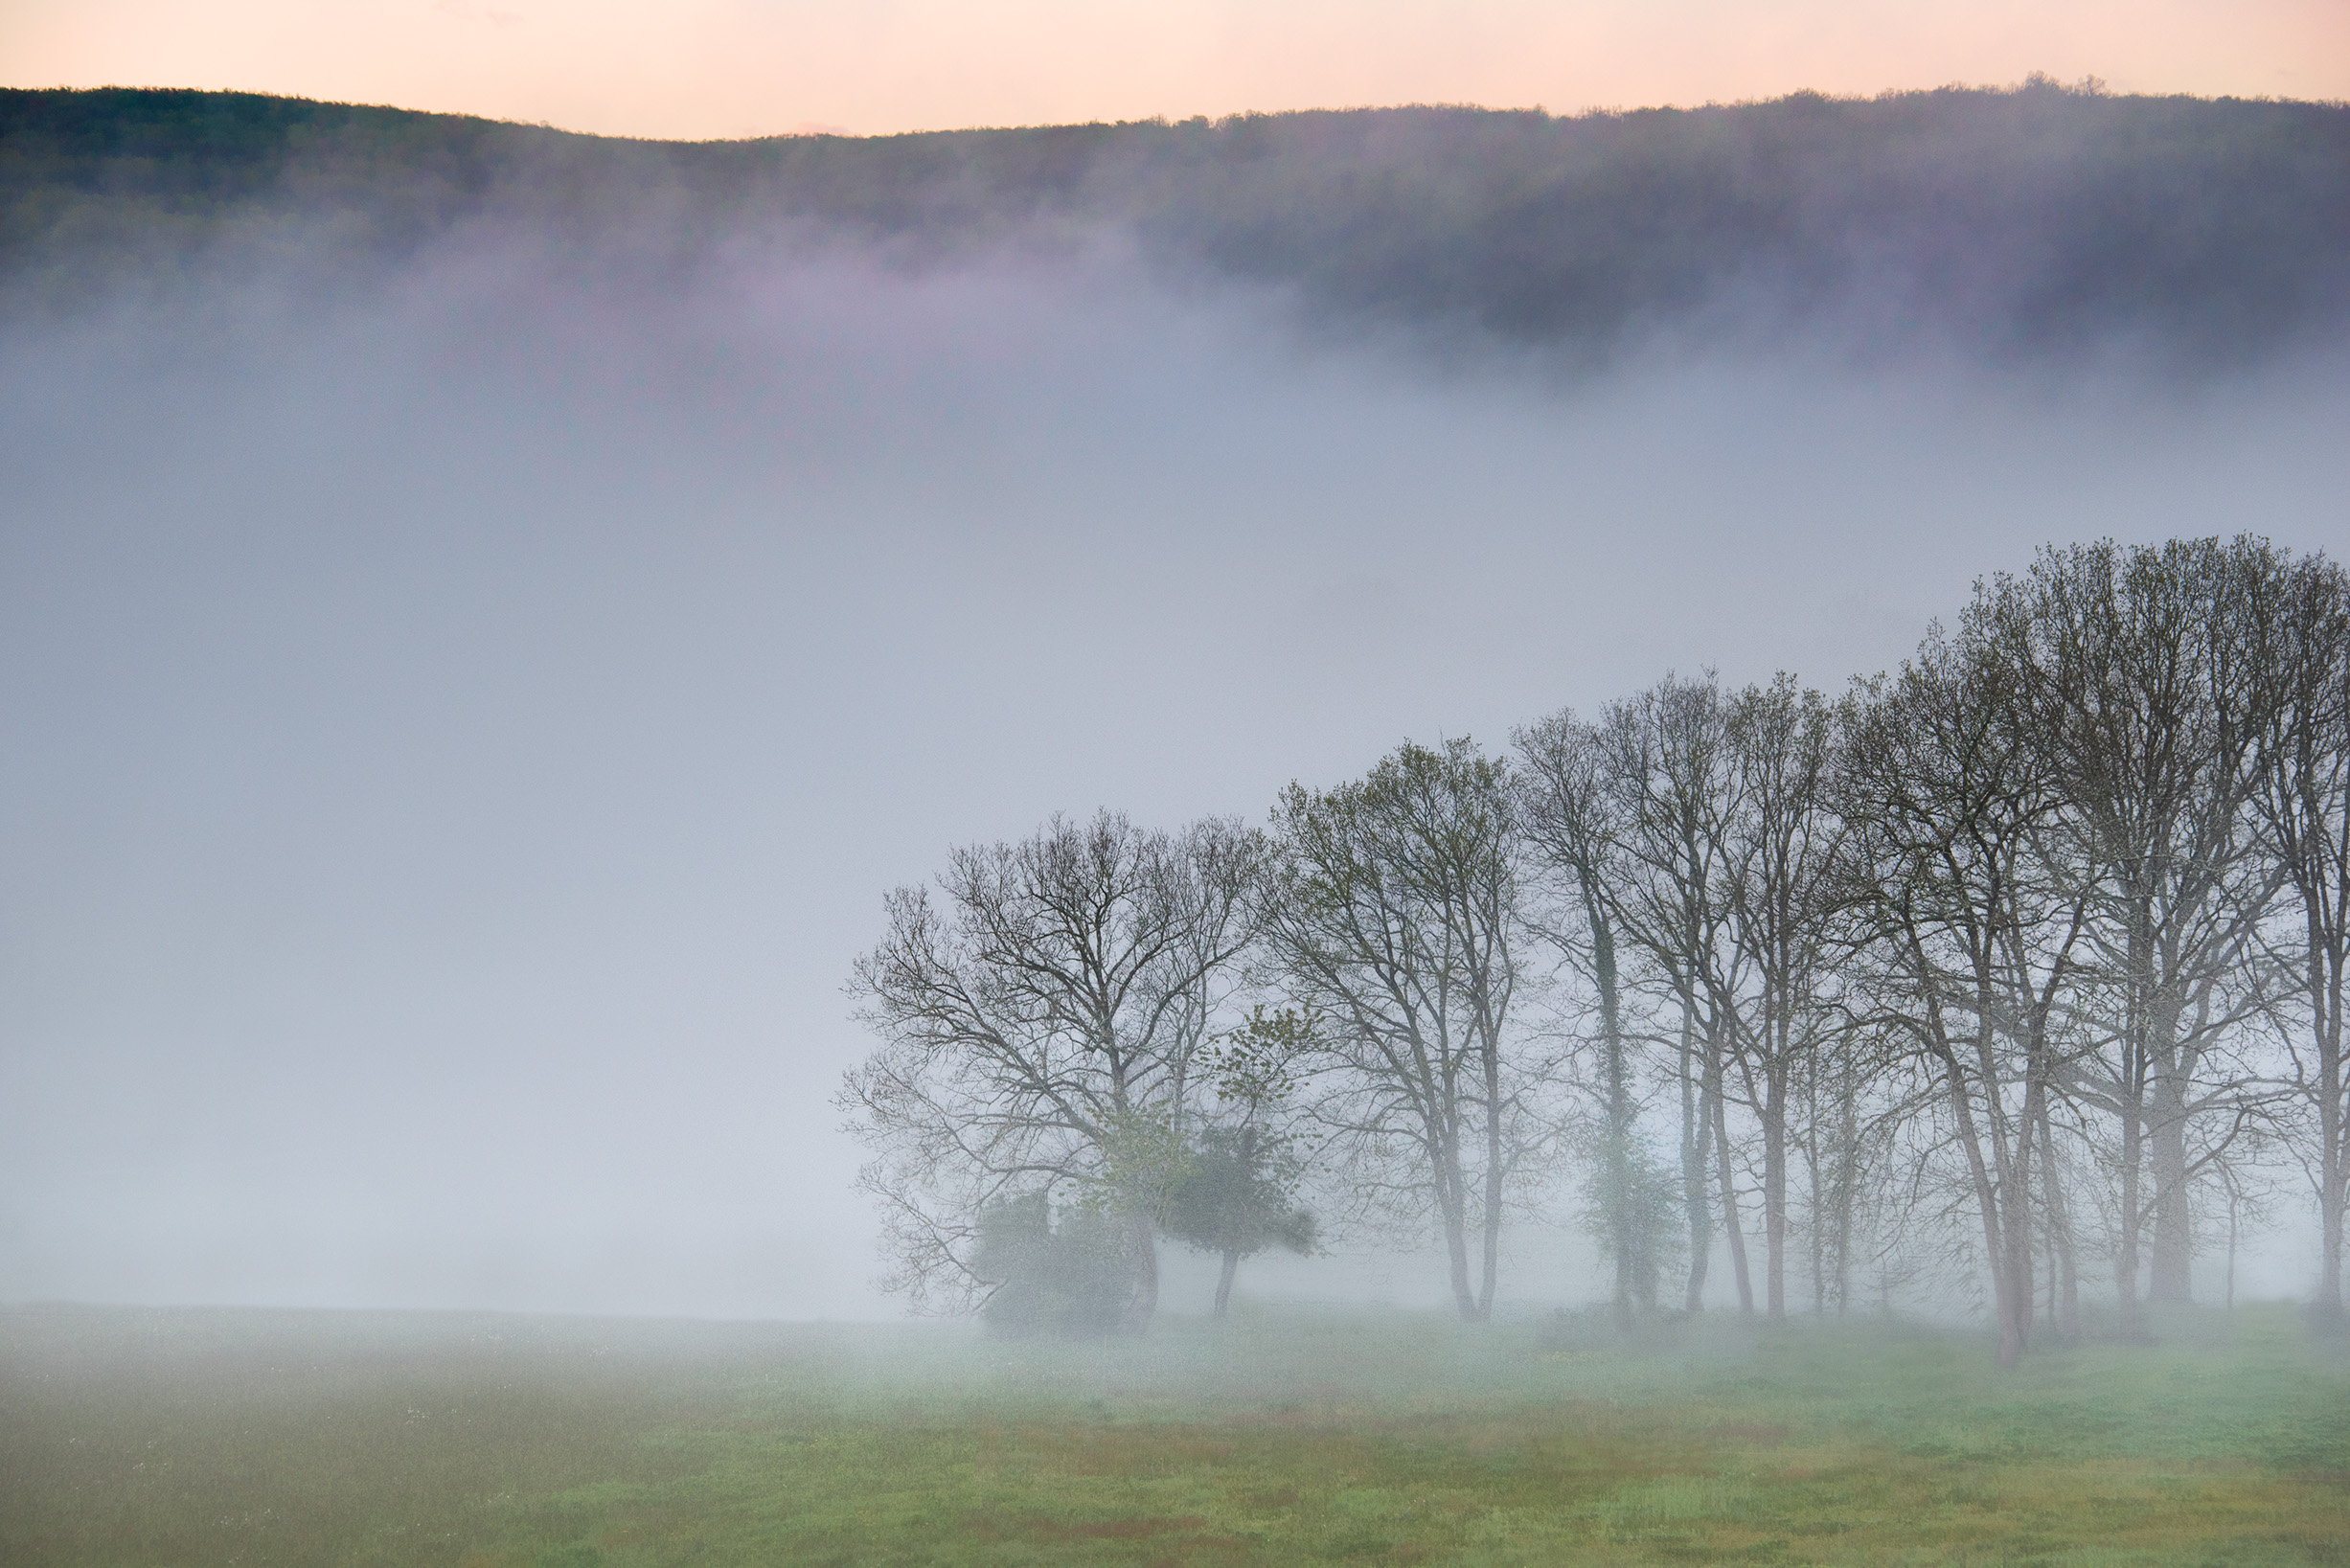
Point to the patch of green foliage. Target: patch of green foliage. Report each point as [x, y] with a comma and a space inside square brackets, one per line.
[188, 1437]
[1071, 1278]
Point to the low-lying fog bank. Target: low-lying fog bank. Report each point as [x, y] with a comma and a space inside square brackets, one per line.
[465, 713]
[1266, 1356]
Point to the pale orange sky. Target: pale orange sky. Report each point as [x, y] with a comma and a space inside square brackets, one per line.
[706, 68]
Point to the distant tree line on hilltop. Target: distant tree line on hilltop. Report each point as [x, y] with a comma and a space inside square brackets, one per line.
[2022, 965]
[2012, 223]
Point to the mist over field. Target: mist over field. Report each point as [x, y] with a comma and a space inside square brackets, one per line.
[485, 616]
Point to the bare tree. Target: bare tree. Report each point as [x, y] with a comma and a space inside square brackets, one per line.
[2142, 696]
[1969, 943]
[1393, 916]
[1039, 1020]
[1671, 789]
[1849, 1122]
[2299, 625]
[1569, 825]
[1784, 853]
[2060, 1177]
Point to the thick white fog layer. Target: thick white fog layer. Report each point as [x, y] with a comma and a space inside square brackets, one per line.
[460, 730]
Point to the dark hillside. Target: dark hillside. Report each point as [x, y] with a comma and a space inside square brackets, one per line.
[2032, 219]
[2021, 223]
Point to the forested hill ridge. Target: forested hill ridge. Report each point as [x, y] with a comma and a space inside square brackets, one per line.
[2019, 222]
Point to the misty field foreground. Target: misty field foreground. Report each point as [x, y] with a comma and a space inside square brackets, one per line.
[186, 1437]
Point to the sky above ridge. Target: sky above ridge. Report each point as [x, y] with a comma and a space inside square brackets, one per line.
[730, 68]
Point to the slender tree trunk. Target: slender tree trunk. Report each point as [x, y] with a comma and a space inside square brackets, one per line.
[2130, 1098]
[2065, 1305]
[1817, 1231]
[2003, 1283]
[1622, 1224]
[1491, 1217]
[2131, 1095]
[1491, 1263]
[2231, 1250]
[1456, 1258]
[1847, 1195]
[1697, 1135]
[1145, 1305]
[1232, 1256]
[1774, 1191]
[1731, 1227]
[1452, 1204]
[2052, 1281]
[2171, 1277]
[2333, 1179]
[2017, 1200]
[2126, 1253]
[2068, 1305]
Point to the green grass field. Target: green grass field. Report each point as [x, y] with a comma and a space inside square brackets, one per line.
[192, 1437]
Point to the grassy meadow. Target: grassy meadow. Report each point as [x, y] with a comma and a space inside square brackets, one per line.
[194, 1437]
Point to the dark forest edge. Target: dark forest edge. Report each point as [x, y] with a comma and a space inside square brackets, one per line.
[2018, 224]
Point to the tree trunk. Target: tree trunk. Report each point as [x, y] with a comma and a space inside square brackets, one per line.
[1731, 1227]
[2017, 1195]
[1817, 1231]
[1452, 1204]
[1491, 1217]
[1774, 1189]
[2130, 1108]
[1621, 1222]
[1697, 1135]
[2231, 1251]
[1223, 1280]
[2065, 1309]
[2332, 1178]
[1847, 1194]
[1145, 1305]
[2326, 1009]
[2052, 1283]
[2005, 1285]
[2126, 1251]
[2171, 1277]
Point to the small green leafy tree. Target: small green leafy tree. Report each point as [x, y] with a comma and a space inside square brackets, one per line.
[1236, 1194]
[1143, 1161]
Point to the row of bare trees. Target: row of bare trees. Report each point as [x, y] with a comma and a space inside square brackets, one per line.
[2011, 957]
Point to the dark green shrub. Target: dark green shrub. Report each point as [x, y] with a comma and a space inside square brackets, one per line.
[1073, 1277]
